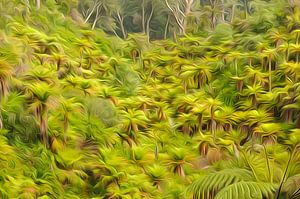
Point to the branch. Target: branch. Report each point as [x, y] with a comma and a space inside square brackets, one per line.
[95, 6]
[168, 5]
[179, 23]
[96, 18]
[180, 11]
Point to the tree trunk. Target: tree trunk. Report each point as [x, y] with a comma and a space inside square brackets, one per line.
[3, 92]
[213, 17]
[236, 67]
[199, 82]
[66, 125]
[179, 20]
[121, 22]
[200, 118]
[166, 27]
[148, 24]
[270, 75]
[96, 18]
[38, 4]
[232, 13]
[43, 117]
[212, 20]
[143, 17]
[186, 13]
[239, 85]
[180, 171]
[222, 11]
[92, 11]
[185, 129]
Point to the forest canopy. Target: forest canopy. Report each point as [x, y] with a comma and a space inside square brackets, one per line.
[150, 99]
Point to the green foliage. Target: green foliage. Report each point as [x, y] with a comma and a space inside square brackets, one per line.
[149, 99]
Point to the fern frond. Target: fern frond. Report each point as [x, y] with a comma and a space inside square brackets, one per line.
[208, 186]
[247, 190]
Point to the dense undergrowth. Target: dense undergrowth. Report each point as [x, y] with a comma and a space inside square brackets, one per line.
[88, 115]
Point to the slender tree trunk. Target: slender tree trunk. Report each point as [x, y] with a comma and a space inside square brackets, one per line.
[3, 90]
[96, 18]
[236, 67]
[166, 27]
[239, 85]
[222, 11]
[66, 125]
[213, 123]
[213, 17]
[116, 34]
[43, 119]
[38, 4]
[199, 82]
[187, 11]
[1, 119]
[245, 11]
[177, 13]
[232, 13]
[148, 24]
[200, 118]
[180, 171]
[121, 22]
[287, 53]
[143, 16]
[270, 75]
[92, 11]
[174, 35]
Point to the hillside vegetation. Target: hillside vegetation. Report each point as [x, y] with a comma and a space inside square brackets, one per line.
[150, 99]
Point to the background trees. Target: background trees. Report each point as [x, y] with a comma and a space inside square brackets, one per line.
[168, 18]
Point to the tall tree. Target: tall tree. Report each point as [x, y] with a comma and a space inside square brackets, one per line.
[180, 10]
[40, 102]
